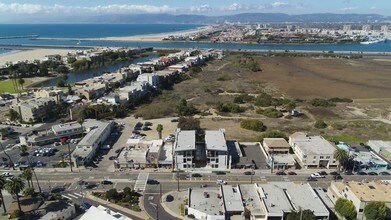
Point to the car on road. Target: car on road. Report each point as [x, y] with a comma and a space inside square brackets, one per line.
[221, 182]
[323, 173]
[292, 173]
[203, 186]
[372, 173]
[106, 182]
[337, 177]
[311, 179]
[317, 175]
[334, 173]
[220, 173]
[196, 175]
[152, 182]
[249, 173]
[91, 186]
[384, 173]
[362, 173]
[280, 173]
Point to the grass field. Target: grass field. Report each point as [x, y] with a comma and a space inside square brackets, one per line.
[6, 85]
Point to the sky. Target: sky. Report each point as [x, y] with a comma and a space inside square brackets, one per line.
[11, 9]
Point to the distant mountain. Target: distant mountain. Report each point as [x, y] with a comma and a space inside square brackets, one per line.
[244, 18]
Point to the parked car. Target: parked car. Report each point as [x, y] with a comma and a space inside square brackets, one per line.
[280, 173]
[249, 173]
[334, 173]
[323, 173]
[196, 175]
[384, 173]
[221, 182]
[311, 179]
[147, 123]
[203, 186]
[220, 173]
[292, 173]
[348, 172]
[361, 173]
[337, 177]
[372, 173]
[6, 174]
[317, 175]
[106, 182]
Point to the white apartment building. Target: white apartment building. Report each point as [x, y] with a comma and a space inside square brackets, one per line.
[313, 151]
[151, 78]
[360, 193]
[216, 150]
[185, 148]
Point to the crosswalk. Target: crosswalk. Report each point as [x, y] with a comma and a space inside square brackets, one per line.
[74, 195]
[141, 182]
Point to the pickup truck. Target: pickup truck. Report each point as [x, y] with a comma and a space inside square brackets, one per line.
[221, 182]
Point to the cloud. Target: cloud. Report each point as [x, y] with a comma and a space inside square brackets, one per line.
[202, 8]
[373, 8]
[17, 8]
[349, 9]
[280, 4]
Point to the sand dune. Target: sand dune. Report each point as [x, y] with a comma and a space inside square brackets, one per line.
[35, 54]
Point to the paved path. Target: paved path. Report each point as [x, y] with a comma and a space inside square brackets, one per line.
[141, 182]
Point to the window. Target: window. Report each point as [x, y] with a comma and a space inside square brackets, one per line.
[184, 160]
[217, 160]
[360, 210]
[321, 157]
[314, 157]
[328, 157]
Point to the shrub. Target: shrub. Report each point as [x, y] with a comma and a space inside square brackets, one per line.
[243, 98]
[229, 107]
[188, 123]
[28, 191]
[320, 124]
[16, 214]
[270, 112]
[112, 194]
[376, 211]
[336, 99]
[136, 208]
[183, 109]
[271, 134]
[321, 103]
[252, 124]
[263, 100]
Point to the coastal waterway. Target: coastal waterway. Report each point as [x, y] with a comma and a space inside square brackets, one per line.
[86, 74]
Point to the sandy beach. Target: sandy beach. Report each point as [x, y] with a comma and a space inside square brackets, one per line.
[155, 37]
[35, 54]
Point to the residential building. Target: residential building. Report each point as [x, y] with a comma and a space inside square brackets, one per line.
[232, 200]
[216, 149]
[70, 129]
[133, 92]
[139, 153]
[49, 93]
[281, 161]
[360, 193]
[85, 150]
[254, 208]
[91, 91]
[276, 146]
[102, 213]
[383, 148]
[384, 28]
[313, 151]
[185, 149]
[347, 27]
[205, 203]
[367, 27]
[34, 110]
[151, 78]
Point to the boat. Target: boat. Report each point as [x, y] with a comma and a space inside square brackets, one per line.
[78, 42]
[375, 41]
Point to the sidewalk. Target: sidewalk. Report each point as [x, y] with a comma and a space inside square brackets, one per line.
[121, 209]
[173, 208]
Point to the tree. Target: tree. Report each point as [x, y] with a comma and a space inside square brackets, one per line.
[28, 175]
[346, 209]
[14, 187]
[112, 194]
[188, 123]
[159, 130]
[3, 132]
[2, 186]
[183, 109]
[376, 211]
[304, 215]
[21, 82]
[13, 115]
[23, 150]
[341, 156]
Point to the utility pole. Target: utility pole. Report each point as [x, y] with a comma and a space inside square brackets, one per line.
[177, 175]
[9, 158]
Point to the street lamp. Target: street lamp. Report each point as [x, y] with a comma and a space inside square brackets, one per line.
[64, 140]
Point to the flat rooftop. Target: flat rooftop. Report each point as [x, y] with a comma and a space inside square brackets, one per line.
[95, 133]
[251, 199]
[165, 156]
[380, 144]
[368, 157]
[372, 191]
[283, 159]
[65, 127]
[215, 140]
[274, 198]
[232, 198]
[135, 154]
[185, 140]
[313, 145]
[276, 143]
[206, 204]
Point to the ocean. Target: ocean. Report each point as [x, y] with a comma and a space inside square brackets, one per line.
[68, 35]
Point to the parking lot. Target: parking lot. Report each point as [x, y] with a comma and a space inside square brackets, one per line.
[252, 154]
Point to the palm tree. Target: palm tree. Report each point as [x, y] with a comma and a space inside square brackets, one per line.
[14, 187]
[21, 82]
[159, 130]
[2, 186]
[28, 175]
[341, 156]
[23, 150]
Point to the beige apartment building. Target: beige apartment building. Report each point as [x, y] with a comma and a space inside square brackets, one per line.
[34, 110]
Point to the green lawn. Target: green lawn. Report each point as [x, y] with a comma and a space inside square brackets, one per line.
[6, 85]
